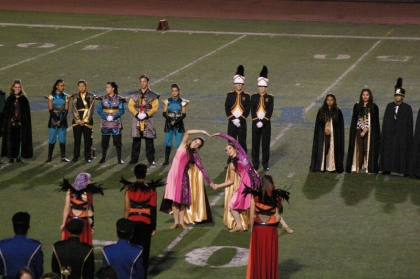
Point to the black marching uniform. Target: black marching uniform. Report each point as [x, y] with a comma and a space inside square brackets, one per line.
[83, 110]
[237, 105]
[76, 255]
[261, 111]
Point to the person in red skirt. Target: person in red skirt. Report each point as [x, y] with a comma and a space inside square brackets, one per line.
[79, 204]
[265, 215]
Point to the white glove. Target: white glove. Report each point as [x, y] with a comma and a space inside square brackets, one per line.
[236, 122]
[110, 118]
[259, 124]
[141, 116]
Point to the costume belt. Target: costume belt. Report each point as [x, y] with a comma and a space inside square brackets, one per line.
[76, 217]
[83, 109]
[60, 108]
[266, 224]
[139, 214]
[110, 110]
[174, 114]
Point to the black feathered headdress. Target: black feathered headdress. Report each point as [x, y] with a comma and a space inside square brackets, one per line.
[239, 77]
[398, 89]
[263, 79]
[92, 188]
[144, 187]
[277, 193]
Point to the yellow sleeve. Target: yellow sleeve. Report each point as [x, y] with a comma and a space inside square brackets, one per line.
[154, 109]
[131, 107]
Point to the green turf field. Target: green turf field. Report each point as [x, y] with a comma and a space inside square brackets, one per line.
[357, 226]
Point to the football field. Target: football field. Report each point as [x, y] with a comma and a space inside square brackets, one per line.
[353, 226]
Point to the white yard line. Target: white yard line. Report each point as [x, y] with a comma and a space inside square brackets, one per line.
[52, 51]
[326, 91]
[198, 59]
[209, 32]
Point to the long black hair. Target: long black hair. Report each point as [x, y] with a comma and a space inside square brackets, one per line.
[327, 113]
[361, 107]
[235, 159]
[113, 85]
[54, 89]
[190, 151]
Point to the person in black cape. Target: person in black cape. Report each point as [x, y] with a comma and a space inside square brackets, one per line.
[2, 101]
[397, 135]
[365, 133]
[415, 158]
[328, 142]
[17, 130]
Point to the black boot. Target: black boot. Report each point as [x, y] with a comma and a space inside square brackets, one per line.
[63, 153]
[50, 152]
[103, 155]
[120, 161]
[167, 154]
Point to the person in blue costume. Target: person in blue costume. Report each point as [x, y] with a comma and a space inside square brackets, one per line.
[110, 109]
[58, 106]
[20, 251]
[174, 111]
[124, 257]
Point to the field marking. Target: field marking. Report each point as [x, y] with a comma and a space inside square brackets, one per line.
[305, 110]
[52, 51]
[198, 59]
[181, 236]
[211, 32]
[326, 91]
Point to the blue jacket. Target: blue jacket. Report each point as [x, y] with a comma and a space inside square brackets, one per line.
[125, 258]
[19, 251]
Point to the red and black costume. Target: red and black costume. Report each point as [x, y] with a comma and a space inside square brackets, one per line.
[142, 212]
[263, 248]
[77, 203]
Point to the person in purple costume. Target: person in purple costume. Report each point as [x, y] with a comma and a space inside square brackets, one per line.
[240, 173]
[178, 189]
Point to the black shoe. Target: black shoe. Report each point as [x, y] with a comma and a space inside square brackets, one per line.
[132, 162]
[11, 161]
[164, 164]
[65, 160]
[88, 160]
[152, 164]
[75, 159]
[266, 168]
[102, 161]
[120, 162]
[48, 160]
[18, 160]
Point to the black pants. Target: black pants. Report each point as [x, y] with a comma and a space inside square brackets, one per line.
[261, 136]
[238, 133]
[150, 149]
[78, 131]
[15, 141]
[142, 236]
[115, 138]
